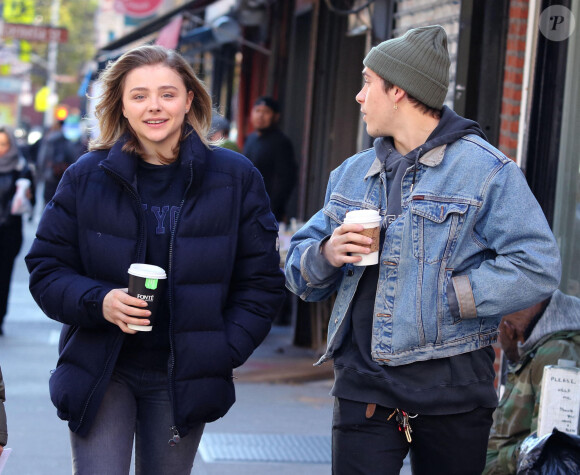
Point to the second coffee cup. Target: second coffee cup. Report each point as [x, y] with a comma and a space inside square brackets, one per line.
[146, 282]
[371, 220]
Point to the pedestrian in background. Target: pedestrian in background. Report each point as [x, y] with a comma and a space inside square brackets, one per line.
[152, 189]
[462, 242]
[219, 132]
[531, 339]
[272, 153]
[3, 424]
[13, 166]
[56, 153]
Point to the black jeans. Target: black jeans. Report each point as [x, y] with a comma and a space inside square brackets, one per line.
[450, 444]
[10, 243]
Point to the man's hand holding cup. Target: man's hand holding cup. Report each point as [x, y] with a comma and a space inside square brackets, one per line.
[356, 241]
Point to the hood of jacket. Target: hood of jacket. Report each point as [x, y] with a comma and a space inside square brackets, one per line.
[451, 127]
[561, 314]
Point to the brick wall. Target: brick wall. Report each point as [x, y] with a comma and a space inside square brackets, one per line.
[512, 94]
[513, 77]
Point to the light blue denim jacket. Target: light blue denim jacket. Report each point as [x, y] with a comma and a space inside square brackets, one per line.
[470, 219]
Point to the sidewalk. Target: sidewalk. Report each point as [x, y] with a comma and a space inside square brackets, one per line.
[277, 360]
[280, 424]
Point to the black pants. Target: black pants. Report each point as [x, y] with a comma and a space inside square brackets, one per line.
[10, 243]
[451, 444]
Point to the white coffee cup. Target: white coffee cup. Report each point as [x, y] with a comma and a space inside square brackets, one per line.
[371, 220]
[146, 283]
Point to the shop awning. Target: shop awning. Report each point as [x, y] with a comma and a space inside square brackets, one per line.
[194, 6]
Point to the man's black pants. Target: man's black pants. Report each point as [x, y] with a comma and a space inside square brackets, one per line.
[450, 444]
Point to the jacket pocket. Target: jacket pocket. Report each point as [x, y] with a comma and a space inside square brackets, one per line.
[65, 335]
[266, 232]
[337, 208]
[436, 226]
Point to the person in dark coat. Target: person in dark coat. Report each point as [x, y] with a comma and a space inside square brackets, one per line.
[272, 153]
[220, 132]
[13, 166]
[152, 190]
[55, 154]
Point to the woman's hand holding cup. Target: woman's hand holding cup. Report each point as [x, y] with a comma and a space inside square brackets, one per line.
[121, 309]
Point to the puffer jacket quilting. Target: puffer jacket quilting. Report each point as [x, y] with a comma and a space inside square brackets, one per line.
[224, 280]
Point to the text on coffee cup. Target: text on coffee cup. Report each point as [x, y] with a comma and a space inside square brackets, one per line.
[147, 298]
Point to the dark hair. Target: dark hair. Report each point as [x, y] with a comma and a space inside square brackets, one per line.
[219, 123]
[268, 101]
[417, 104]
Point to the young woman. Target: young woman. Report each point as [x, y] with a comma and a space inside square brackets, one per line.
[153, 190]
[12, 167]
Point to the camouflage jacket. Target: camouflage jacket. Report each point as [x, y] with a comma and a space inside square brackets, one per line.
[555, 336]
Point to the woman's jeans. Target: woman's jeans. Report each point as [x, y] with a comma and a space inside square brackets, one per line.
[10, 243]
[136, 405]
[454, 444]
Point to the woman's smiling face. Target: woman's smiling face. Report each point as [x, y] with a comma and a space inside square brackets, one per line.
[155, 103]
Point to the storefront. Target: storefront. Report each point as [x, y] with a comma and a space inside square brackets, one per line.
[549, 143]
[566, 223]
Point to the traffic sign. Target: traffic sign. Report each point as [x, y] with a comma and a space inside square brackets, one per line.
[18, 11]
[34, 33]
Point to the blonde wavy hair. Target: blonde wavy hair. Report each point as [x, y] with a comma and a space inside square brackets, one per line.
[109, 110]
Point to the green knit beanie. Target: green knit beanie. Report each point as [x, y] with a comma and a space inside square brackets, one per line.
[418, 62]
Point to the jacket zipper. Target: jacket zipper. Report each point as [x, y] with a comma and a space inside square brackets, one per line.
[175, 436]
[137, 199]
[81, 420]
[139, 247]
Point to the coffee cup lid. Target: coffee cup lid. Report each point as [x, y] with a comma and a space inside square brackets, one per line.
[147, 271]
[362, 216]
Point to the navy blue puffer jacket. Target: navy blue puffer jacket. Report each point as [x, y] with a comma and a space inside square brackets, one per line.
[224, 281]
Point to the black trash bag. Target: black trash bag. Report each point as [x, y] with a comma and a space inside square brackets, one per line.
[557, 453]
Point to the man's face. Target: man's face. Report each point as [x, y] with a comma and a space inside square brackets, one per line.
[512, 328]
[508, 339]
[376, 105]
[263, 117]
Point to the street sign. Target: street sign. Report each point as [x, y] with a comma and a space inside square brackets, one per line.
[18, 11]
[33, 33]
[8, 84]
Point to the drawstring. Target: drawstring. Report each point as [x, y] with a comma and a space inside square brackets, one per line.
[415, 167]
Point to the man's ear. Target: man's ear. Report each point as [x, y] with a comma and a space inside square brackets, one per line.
[398, 93]
[509, 329]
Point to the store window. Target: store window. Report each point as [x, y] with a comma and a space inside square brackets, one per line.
[567, 206]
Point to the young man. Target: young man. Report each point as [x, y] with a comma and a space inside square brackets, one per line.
[55, 155]
[463, 241]
[272, 154]
[532, 338]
